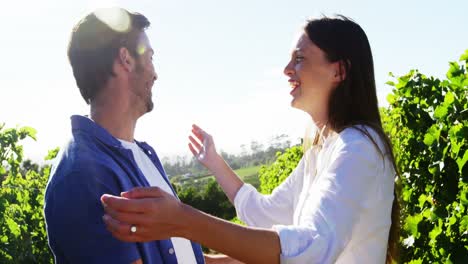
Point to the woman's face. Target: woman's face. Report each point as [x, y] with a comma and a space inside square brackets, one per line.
[311, 76]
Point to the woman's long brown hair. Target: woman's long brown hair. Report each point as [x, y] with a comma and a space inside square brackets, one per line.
[354, 101]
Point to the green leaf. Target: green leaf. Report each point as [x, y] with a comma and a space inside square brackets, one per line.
[52, 154]
[429, 139]
[14, 227]
[454, 70]
[422, 199]
[433, 169]
[452, 220]
[402, 82]
[435, 232]
[464, 56]
[28, 131]
[462, 161]
[440, 111]
[432, 134]
[406, 195]
[427, 214]
[464, 196]
[464, 224]
[391, 98]
[449, 98]
[454, 130]
[416, 261]
[412, 223]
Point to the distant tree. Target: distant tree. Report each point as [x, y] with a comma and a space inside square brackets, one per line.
[280, 142]
[210, 199]
[256, 147]
[244, 151]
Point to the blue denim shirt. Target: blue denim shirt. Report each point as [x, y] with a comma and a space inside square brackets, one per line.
[91, 164]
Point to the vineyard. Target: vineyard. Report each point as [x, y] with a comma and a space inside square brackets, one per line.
[426, 120]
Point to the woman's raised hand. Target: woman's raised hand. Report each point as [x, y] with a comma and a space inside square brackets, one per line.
[203, 148]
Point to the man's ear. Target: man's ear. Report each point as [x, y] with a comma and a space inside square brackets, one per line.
[126, 60]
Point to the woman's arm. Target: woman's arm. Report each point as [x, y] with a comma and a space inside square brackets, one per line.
[220, 259]
[250, 245]
[252, 207]
[158, 215]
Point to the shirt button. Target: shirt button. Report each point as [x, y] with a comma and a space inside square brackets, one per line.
[171, 251]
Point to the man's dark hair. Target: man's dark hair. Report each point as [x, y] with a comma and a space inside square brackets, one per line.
[95, 43]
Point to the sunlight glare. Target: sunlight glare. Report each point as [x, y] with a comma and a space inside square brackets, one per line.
[141, 48]
[116, 18]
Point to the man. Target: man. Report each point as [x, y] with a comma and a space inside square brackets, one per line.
[111, 58]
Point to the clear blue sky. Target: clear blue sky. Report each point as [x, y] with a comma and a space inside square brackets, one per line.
[219, 62]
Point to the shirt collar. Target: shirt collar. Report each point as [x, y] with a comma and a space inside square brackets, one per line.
[89, 126]
[84, 123]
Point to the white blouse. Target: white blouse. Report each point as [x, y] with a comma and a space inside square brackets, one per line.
[334, 208]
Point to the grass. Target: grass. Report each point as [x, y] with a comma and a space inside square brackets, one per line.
[248, 175]
[248, 172]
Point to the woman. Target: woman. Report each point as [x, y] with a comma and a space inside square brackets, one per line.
[335, 207]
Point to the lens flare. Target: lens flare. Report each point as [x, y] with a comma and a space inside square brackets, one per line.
[116, 18]
[141, 48]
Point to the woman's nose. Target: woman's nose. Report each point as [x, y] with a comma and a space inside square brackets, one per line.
[288, 70]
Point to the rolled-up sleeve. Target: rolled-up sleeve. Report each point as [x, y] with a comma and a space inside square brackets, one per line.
[333, 205]
[259, 210]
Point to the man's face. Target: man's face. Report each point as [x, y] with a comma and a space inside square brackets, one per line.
[144, 75]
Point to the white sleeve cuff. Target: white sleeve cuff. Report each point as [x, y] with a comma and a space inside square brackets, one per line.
[302, 245]
[240, 199]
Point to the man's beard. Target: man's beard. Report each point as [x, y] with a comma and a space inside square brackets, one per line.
[149, 105]
[139, 70]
